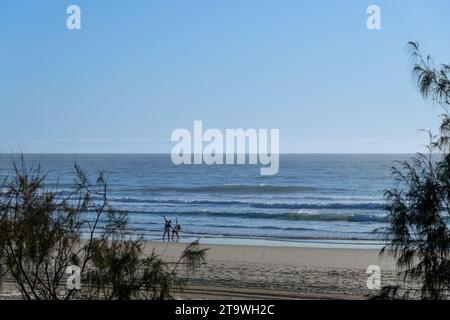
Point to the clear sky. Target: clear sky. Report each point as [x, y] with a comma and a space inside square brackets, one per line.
[137, 70]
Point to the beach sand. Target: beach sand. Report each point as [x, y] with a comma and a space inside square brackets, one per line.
[268, 272]
[256, 272]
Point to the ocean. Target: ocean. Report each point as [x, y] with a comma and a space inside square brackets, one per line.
[318, 200]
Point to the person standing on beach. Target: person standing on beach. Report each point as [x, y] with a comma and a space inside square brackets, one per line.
[176, 230]
[167, 227]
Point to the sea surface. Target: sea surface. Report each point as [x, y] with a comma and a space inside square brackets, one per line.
[324, 200]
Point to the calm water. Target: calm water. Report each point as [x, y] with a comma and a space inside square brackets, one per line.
[315, 200]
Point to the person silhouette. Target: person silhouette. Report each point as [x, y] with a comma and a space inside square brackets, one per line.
[176, 230]
[167, 227]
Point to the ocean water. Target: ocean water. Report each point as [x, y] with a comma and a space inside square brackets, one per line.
[327, 200]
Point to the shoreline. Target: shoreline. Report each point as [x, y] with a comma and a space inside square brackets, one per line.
[263, 272]
[366, 244]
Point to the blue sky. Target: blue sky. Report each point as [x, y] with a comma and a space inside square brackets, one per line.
[137, 70]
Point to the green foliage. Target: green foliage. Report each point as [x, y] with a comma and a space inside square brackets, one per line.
[43, 232]
[418, 235]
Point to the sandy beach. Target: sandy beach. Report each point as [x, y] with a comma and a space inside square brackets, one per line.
[267, 272]
[256, 272]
